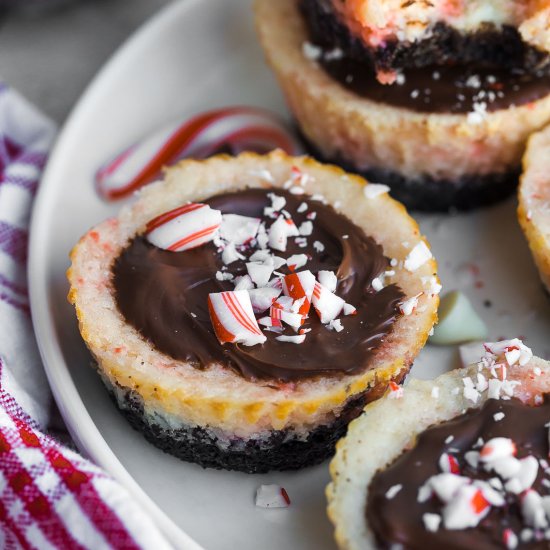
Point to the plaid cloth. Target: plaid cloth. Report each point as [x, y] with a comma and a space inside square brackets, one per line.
[50, 497]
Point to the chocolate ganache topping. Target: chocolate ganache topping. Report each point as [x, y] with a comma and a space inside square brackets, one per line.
[164, 295]
[399, 520]
[441, 89]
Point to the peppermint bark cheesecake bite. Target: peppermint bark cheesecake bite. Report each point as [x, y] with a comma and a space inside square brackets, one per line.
[442, 135]
[459, 462]
[245, 309]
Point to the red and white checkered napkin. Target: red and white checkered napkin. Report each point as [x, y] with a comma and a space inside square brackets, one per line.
[50, 497]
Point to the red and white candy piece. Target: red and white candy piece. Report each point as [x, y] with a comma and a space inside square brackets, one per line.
[532, 510]
[272, 496]
[183, 228]
[395, 390]
[259, 273]
[233, 318]
[296, 261]
[328, 279]
[497, 448]
[510, 539]
[431, 522]
[466, 509]
[232, 128]
[525, 477]
[230, 254]
[493, 497]
[294, 339]
[514, 351]
[263, 298]
[446, 485]
[506, 467]
[238, 230]
[243, 282]
[280, 312]
[408, 306]
[327, 305]
[277, 203]
[300, 286]
[280, 230]
[449, 464]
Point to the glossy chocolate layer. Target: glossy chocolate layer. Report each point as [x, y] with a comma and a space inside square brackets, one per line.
[399, 520]
[447, 89]
[164, 295]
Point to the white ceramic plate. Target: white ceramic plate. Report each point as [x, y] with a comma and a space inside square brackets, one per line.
[196, 55]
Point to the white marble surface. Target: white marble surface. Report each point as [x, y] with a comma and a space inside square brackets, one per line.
[51, 52]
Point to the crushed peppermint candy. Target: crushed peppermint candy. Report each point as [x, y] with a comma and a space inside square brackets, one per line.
[272, 496]
[408, 306]
[264, 296]
[318, 246]
[328, 279]
[417, 257]
[335, 324]
[392, 491]
[373, 190]
[395, 390]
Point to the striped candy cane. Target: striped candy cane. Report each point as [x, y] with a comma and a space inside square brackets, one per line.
[230, 129]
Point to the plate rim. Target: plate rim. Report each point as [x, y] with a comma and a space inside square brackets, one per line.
[87, 436]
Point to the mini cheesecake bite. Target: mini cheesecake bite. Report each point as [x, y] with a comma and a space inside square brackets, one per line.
[244, 310]
[442, 134]
[463, 464]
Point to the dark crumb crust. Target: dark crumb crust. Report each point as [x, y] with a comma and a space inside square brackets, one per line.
[282, 450]
[427, 194]
[502, 47]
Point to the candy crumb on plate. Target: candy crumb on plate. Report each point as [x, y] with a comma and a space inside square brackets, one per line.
[272, 496]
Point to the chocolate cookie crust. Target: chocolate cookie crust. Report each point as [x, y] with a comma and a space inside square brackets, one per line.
[490, 46]
[428, 194]
[280, 450]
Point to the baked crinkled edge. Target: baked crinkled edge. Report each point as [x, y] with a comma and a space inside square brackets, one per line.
[534, 201]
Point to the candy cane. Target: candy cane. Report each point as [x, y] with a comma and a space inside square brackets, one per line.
[233, 318]
[236, 128]
[185, 227]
